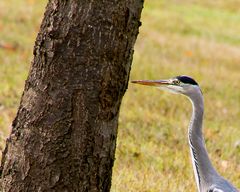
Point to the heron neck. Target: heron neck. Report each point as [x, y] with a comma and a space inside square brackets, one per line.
[203, 169]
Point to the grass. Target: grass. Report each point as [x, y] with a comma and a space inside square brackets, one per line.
[197, 38]
[19, 24]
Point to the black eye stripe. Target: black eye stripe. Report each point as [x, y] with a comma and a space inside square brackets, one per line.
[186, 79]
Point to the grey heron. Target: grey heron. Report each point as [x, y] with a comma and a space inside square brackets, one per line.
[206, 176]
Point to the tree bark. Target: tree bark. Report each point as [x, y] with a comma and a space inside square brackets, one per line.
[64, 135]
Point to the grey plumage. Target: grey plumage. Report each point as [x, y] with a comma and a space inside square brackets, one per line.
[207, 178]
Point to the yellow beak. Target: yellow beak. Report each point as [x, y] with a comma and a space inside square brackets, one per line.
[152, 82]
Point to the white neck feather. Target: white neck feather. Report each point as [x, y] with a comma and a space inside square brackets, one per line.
[203, 169]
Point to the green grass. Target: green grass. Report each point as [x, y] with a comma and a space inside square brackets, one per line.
[19, 24]
[197, 38]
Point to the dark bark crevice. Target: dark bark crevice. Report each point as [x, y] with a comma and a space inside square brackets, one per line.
[64, 134]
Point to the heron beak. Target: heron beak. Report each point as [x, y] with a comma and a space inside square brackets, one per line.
[152, 82]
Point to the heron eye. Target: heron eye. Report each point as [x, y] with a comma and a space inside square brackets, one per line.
[176, 82]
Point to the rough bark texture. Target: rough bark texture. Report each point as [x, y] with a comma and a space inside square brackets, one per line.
[64, 135]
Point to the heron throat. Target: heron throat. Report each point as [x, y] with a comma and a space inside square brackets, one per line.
[203, 169]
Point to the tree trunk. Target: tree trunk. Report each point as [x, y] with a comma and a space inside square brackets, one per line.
[64, 135]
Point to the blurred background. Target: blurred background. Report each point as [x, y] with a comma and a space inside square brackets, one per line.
[199, 38]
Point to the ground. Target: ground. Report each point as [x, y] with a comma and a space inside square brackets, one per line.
[191, 37]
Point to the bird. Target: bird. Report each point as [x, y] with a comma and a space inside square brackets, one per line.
[206, 177]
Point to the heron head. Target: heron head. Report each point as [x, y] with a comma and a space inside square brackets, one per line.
[181, 84]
